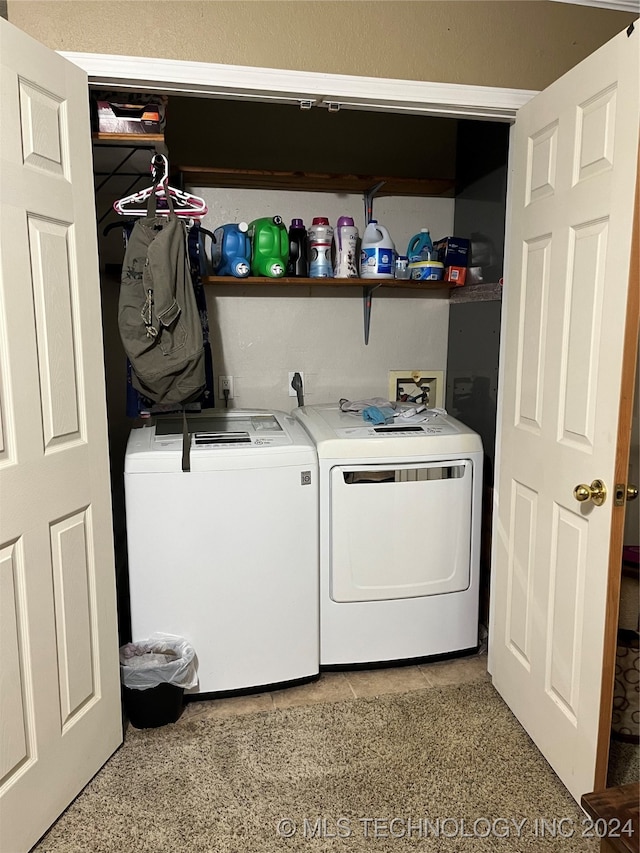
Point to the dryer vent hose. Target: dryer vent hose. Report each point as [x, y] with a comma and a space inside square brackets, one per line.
[296, 384]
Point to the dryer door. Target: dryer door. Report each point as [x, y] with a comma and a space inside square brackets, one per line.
[400, 531]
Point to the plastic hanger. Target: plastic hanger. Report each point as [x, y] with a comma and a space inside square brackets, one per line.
[185, 204]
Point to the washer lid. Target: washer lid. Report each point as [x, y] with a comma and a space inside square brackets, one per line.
[218, 438]
[220, 429]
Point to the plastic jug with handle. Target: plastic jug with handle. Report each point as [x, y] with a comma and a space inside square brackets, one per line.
[269, 246]
[420, 247]
[377, 257]
[231, 250]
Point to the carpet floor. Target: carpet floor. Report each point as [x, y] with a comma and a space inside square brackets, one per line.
[446, 769]
[624, 763]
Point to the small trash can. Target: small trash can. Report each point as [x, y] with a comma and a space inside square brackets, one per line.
[154, 674]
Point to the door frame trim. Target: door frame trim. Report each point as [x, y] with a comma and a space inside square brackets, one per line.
[240, 82]
[235, 82]
[616, 541]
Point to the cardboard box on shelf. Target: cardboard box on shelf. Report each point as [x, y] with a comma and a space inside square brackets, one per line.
[135, 118]
[455, 275]
[453, 251]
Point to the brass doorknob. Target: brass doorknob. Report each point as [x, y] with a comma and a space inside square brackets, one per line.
[632, 492]
[596, 492]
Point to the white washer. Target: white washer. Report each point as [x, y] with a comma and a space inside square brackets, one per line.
[226, 554]
[400, 513]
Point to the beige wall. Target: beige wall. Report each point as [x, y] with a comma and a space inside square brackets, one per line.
[260, 336]
[519, 44]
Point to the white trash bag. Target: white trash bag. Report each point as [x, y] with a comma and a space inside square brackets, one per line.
[161, 658]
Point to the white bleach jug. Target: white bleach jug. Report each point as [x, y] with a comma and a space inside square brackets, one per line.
[378, 254]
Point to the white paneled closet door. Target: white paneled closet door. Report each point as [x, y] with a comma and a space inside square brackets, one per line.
[573, 174]
[59, 689]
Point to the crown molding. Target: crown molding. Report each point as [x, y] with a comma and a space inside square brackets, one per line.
[631, 6]
[331, 91]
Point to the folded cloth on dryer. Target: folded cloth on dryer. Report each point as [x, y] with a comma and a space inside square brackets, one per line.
[378, 414]
[360, 405]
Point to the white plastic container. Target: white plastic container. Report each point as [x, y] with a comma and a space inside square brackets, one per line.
[320, 238]
[377, 257]
[426, 271]
[402, 267]
[345, 249]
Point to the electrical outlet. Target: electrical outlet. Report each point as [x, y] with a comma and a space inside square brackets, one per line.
[225, 383]
[407, 384]
[292, 390]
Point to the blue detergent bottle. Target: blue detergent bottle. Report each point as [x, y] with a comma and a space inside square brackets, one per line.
[231, 250]
[420, 247]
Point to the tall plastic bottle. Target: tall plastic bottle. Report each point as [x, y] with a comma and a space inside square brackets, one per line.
[377, 257]
[298, 266]
[344, 254]
[320, 237]
[420, 247]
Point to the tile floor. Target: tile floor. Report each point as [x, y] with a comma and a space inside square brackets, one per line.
[334, 686]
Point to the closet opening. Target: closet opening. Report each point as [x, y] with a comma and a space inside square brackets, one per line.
[463, 383]
[257, 334]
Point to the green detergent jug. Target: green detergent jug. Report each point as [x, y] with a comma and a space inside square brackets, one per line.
[269, 246]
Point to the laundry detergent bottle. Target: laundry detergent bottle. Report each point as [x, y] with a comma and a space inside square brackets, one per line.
[320, 237]
[231, 250]
[269, 246]
[298, 265]
[344, 253]
[420, 247]
[377, 257]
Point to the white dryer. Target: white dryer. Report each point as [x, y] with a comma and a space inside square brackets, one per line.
[400, 509]
[225, 554]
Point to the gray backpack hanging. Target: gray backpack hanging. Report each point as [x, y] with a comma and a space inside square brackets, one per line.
[158, 317]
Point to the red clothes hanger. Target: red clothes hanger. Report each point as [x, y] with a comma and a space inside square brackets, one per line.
[185, 204]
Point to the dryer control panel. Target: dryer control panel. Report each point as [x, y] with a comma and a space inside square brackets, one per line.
[346, 435]
[409, 428]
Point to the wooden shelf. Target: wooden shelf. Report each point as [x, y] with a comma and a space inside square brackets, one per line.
[489, 292]
[130, 138]
[257, 281]
[485, 292]
[197, 176]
